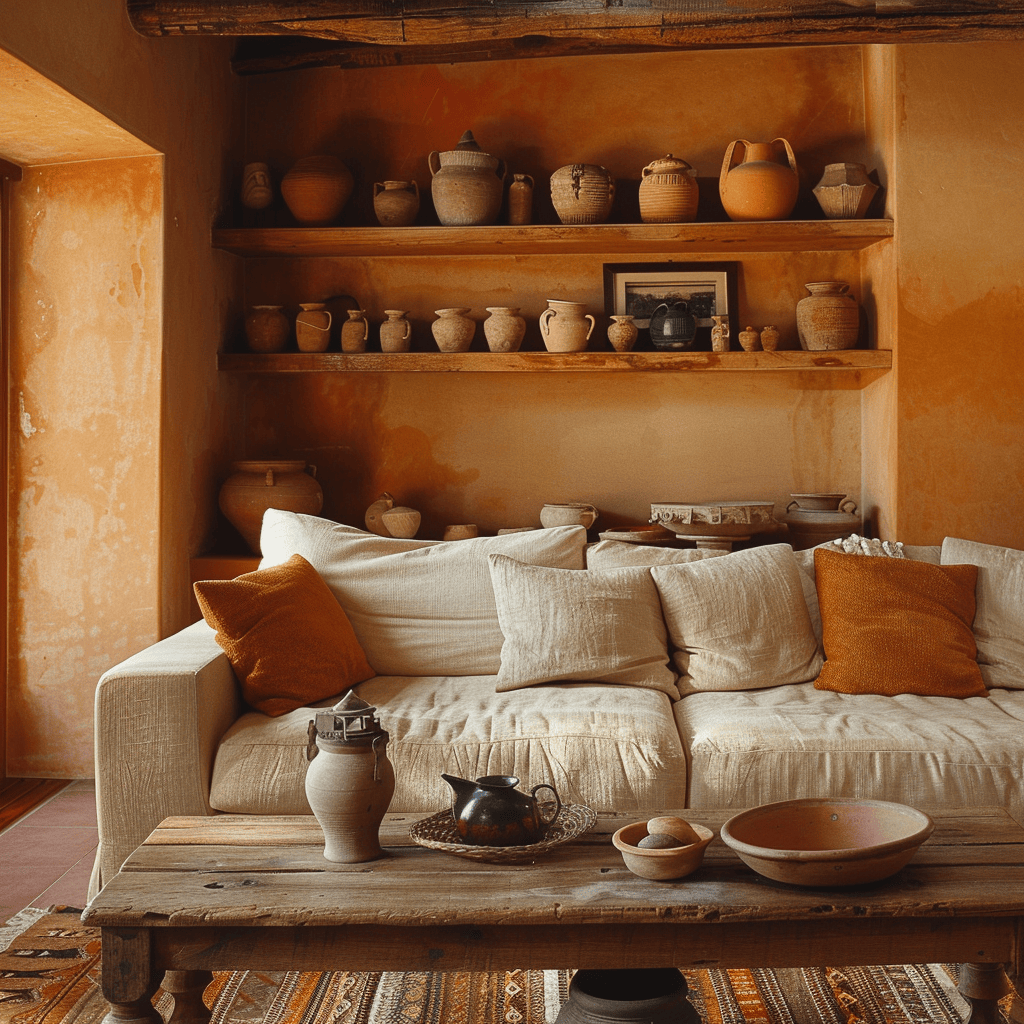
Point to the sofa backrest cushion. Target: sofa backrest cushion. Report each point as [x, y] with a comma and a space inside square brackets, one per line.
[594, 626]
[999, 619]
[418, 607]
[739, 622]
[617, 554]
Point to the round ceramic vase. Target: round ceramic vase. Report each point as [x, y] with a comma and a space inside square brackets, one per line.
[828, 319]
[316, 189]
[769, 338]
[565, 327]
[396, 203]
[467, 185]
[266, 329]
[582, 193]
[504, 328]
[758, 185]
[313, 327]
[668, 192]
[750, 339]
[622, 333]
[453, 331]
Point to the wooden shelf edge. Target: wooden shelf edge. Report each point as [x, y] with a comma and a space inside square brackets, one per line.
[499, 240]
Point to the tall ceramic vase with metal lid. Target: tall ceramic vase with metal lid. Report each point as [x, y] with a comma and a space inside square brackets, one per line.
[467, 184]
[349, 781]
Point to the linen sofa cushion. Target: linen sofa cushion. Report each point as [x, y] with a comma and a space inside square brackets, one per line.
[418, 607]
[796, 741]
[615, 748]
[287, 638]
[617, 554]
[590, 625]
[999, 619]
[738, 622]
[894, 626]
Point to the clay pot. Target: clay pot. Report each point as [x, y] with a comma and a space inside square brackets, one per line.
[520, 199]
[453, 330]
[395, 332]
[668, 192]
[655, 995]
[845, 191]
[467, 185]
[313, 327]
[256, 485]
[572, 513]
[769, 338]
[673, 327]
[401, 521]
[316, 189]
[465, 531]
[354, 331]
[760, 186]
[828, 319]
[504, 329]
[720, 334]
[257, 193]
[582, 193]
[563, 326]
[622, 332]
[396, 203]
[810, 527]
[266, 329]
[750, 339]
[372, 517]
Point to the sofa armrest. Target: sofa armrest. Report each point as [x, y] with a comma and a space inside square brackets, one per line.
[158, 719]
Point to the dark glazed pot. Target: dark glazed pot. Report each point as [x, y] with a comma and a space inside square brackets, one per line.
[492, 812]
[654, 996]
[673, 326]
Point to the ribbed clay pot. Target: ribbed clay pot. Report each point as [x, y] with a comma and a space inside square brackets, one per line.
[354, 331]
[520, 199]
[760, 186]
[504, 328]
[668, 192]
[395, 332]
[622, 333]
[828, 319]
[396, 203]
[564, 326]
[258, 484]
[316, 189]
[266, 329]
[313, 327]
[845, 191]
[453, 330]
[467, 185]
[582, 193]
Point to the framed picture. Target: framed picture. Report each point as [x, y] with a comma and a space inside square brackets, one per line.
[639, 288]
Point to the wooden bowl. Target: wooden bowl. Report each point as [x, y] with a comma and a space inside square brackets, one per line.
[660, 865]
[827, 842]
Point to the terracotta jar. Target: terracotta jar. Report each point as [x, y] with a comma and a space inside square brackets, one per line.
[313, 327]
[828, 319]
[396, 203]
[673, 327]
[266, 329]
[395, 332]
[453, 330]
[316, 189]
[504, 328]
[668, 192]
[759, 180]
[750, 339]
[564, 327]
[582, 193]
[467, 184]
[354, 331]
[845, 191]
[622, 332]
[769, 338]
[258, 484]
[520, 199]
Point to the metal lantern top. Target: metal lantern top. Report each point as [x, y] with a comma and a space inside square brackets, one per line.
[351, 722]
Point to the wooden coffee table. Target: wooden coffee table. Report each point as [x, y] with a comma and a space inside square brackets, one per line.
[234, 892]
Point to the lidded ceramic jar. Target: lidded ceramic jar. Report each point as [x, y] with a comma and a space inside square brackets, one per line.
[622, 332]
[520, 199]
[845, 191]
[396, 203]
[350, 780]
[453, 330]
[467, 184]
[564, 326]
[673, 327]
[354, 331]
[770, 338]
[828, 319]
[258, 484]
[668, 192]
[750, 339]
[266, 329]
[582, 193]
[504, 328]
[313, 327]
[316, 189]
[763, 184]
[395, 332]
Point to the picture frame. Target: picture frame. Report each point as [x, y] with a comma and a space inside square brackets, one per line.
[638, 288]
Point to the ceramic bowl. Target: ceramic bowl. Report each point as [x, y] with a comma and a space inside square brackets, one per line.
[818, 502]
[717, 519]
[827, 842]
[660, 865]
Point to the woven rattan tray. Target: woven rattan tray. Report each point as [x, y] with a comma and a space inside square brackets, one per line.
[438, 833]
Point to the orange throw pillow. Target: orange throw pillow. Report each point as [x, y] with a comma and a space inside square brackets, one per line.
[287, 638]
[893, 625]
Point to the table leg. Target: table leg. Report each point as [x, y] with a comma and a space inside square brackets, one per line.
[127, 976]
[983, 985]
[187, 988]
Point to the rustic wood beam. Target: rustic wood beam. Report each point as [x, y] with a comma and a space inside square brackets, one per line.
[381, 32]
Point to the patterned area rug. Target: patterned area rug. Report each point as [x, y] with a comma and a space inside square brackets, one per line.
[50, 975]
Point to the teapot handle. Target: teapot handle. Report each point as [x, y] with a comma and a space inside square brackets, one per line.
[558, 803]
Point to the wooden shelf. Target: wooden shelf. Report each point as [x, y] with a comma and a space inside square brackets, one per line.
[541, 239]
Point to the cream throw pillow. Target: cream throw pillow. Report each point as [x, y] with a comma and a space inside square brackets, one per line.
[418, 607]
[999, 618]
[739, 622]
[591, 626]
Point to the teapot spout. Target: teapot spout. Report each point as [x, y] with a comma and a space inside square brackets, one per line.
[462, 789]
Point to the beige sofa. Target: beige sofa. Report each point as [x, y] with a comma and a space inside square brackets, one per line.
[483, 668]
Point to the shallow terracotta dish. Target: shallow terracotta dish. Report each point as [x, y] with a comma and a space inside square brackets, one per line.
[827, 842]
[660, 865]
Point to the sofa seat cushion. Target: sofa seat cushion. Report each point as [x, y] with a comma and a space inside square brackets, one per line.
[612, 747]
[759, 746]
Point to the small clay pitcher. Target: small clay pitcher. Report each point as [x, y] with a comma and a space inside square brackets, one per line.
[395, 332]
[313, 327]
[504, 328]
[492, 812]
[467, 185]
[396, 203]
[453, 330]
[354, 331]
[570, 513]
[563, 326]
[266, 329]
[668, 192]
[520, 199]
[755, 183]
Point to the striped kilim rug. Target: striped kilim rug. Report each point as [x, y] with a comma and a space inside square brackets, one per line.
[50, 975]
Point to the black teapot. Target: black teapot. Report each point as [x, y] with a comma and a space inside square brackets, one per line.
[492, 812]
[673, 326]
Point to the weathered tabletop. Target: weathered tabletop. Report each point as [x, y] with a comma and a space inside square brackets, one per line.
[234, 891]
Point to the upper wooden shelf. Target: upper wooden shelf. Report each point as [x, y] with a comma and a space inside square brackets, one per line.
[539, 239]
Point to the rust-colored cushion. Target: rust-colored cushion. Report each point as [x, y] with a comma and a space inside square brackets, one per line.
[893, 626]
[287, 638]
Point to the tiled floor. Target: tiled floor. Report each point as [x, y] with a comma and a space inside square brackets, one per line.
[46, 856]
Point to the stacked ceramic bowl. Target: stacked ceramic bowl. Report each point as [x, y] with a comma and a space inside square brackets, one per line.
[816, 518]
